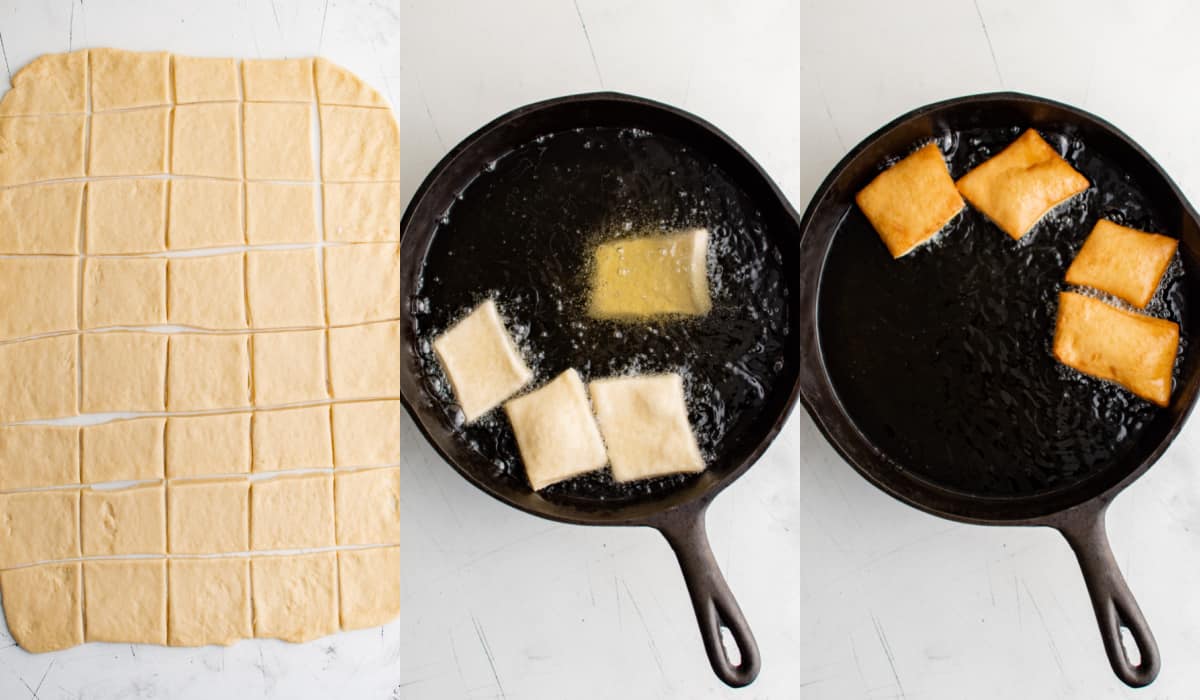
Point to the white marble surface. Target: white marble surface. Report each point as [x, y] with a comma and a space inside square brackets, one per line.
[899, 604]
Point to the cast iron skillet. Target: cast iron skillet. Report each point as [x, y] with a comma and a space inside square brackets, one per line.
[933, 376]
[510, 208]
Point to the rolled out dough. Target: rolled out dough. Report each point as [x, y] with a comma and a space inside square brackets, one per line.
[369, 586]
[208, 601]
[43, 606]
[295, 597]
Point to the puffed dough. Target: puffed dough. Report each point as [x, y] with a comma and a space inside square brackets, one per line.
[205, 79]
[208, 601]
[208, 516]
[206, 445]
[556, 432]
[481, 360]
[284, 288]
[130, 143]
[207, 292]
[653, 276]
[124, 292]
[369, 586]
[206, 141]
[292, 512]
[338, 86]
[124, 371]
[364, 361]
[41, 148]
[40, 455]
[645, 425]
[125, 217]
[125, 600]
[362, 212]
[38, 295]
[52, 83]
[122, 450]
[208, 371]
[362, 283]
[295, 597]
[911, 201]
[1122, 261]
[41, 219]
[359, 144]
[205, 214]
[38, 526]
[366, 434]
[292, 438]
[367, 506]
[280, 213]
[123, 521]
[38, 379]
[278, 141]
[43, 606]
[123, 79]
[278, 80]
[288, 367]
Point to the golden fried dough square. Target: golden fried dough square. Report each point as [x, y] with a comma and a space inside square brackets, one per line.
[123, 521]
[130, 143]
[123, 79]
[39, 455]
[125, 600]
[364, 361]
[556, 432]
[38, 295]
[208, 371]
[481, 361]
[41, 219]
[48, 147]
[292, 438]
[208, 601]
[125, 217]
[911, 201]
[205, 79]
[205, 214]
[206, 141]
[295, 597]
[122, 450]
[644, 422]
[367, 506]
[39, 526]
[206, 445]
[635, 278]
[38, 378]
[124, 292]
[43, 606]
[292, 512]
[369, 586]
[208, 516]
[362, 283]
[278, 141]
[124, 372]
[1122, 261]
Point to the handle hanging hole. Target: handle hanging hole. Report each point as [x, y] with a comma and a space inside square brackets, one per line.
[1133, 653]
[732, 651]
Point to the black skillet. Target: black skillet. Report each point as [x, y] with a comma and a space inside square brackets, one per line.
[513, 212]
[933, 376]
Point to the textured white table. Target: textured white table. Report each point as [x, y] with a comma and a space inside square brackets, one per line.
[898, 604]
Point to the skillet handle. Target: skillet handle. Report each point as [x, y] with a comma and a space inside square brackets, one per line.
[712, 600]
[1112, 600]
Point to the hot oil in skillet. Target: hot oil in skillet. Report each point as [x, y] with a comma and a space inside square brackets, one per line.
[943, 358]
[523, 232]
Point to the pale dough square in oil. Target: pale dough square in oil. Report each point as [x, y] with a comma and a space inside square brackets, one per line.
[366, 433]
[123, 521]
[481, 361]
[41, 219]
[292, 512]
[278, 79]
[362, 283]
[38, 526]
[122, 450]
[644, 422]
[208, 602]
[278, 141]
[208, 371]
[556, 432]
[125, 217]
[280, 213]
[369, 586]
[124, 371]
[125, 600]
[288, 367]
[291, 438]
[207, 445]
[129, 143]
[338, 86]
[38, 455]
[54, 83]
[1122, 261]
[43, 606]
[207, 291]
[208, 516]
[284, 288]
[49, 147]
[359, 144]
[362, 212]
[911, 201]
[295, 597]
[124, 292]
[206, 141]
[205, 214]
[201, 79]
[636, 278]
[123, 79]
[367, 505]
[364, 361]
[38, 378]
[38, 295]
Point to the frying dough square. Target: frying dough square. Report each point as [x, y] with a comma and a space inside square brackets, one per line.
[645, 425]
[49, 147]
[124, 372]
[206, 140]
[481, 360]
[359, 144]
[126, 217]
[911, 201]
[288, 367]
[130, 143]
[1018, 186]
[364, 361]
[1135, 351]
[206, 445]
[124, 521]
[205, 214]
[284, 288]
[1122, 261]
[208, 371]
[368, 506]
[292, 512]
[295, 597]
[369, 586]
[122, 79]
[205, 79]
[293, 438]
[124, 292]
[53, 83]
[556, 432]
[43, 606]
[125, 600]
[38, 455]
[122, 450]
[38, 526]
[278, 79]
[38, 295]
[208, 602]
[207, 292]
[278, 141]
[38, 378]
[652, 276]
[280, 213]
[41, 219]
[362, 212]
[362, 283]
[366, 434]
[338, 86]
[208, 516]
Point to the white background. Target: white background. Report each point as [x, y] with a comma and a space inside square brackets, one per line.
[898, 604]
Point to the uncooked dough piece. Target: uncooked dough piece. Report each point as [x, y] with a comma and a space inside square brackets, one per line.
[278, 79]
[1018, 186]
[207, 292]
[283, 288]
[362, 212]
[122, 79]
[636, 278]
[41, 148]
[645, 425]
[206, 140]
[1135, 351]
[338, 86]
[366, 434]
[205, 214]
[38, 526]
[124, 371]
[41, 219]
[911, 201]
[367, 505]
[295, 597]
[288, 367]
[208, 602]
[130, 143]
[208, 371]
[126, 217]
[280, 213]
[369, 586]
[53, 83]
[278, 141]
[208, 516]
[556, 432]
[362, 283]
[43, 607]
[292, 512]
[292, 438]
[1122, 261]
[481, 360]
[38, 455]
[125, 600]
[124, 292]
[205, 79]
[206, 445]
[364, 361]
[359, 144]
[122, 450]
[124, 521]
[38, 379]
[38, 295]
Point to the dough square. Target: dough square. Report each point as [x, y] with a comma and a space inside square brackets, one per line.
[911, 201]
[280, 213]
[126, 217]
[206, 141]
[49, 147]
[122, 79]
[41, 219]
[369, 586]
[362, 283]
[292, 512]
[43, 606]
[1018, 186]
[53, 83]
[38, 378]
[481, 360]
[124, 372]
[39, 526]
[130, 143]
[368, 506]
[206, 445]
[208, 516]
[207, 292]
[122, 450]
[651, 276]
[124, 521]
[556, 432]
[366, 433]
[124, 292]
[278, 141]
[208, 371]
[1135, 351]
[208, 602]
[359, 144]
[38, 455]
[39, 295]
[125, 600]
[364, 361]
[278, 79]
[362, 212]
[288, 367]
[293, 438]
[338, 86]
[284, 288]
[295, 597]
[205, 79]
[644, 421]
[205, 214]
[1122, 261]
